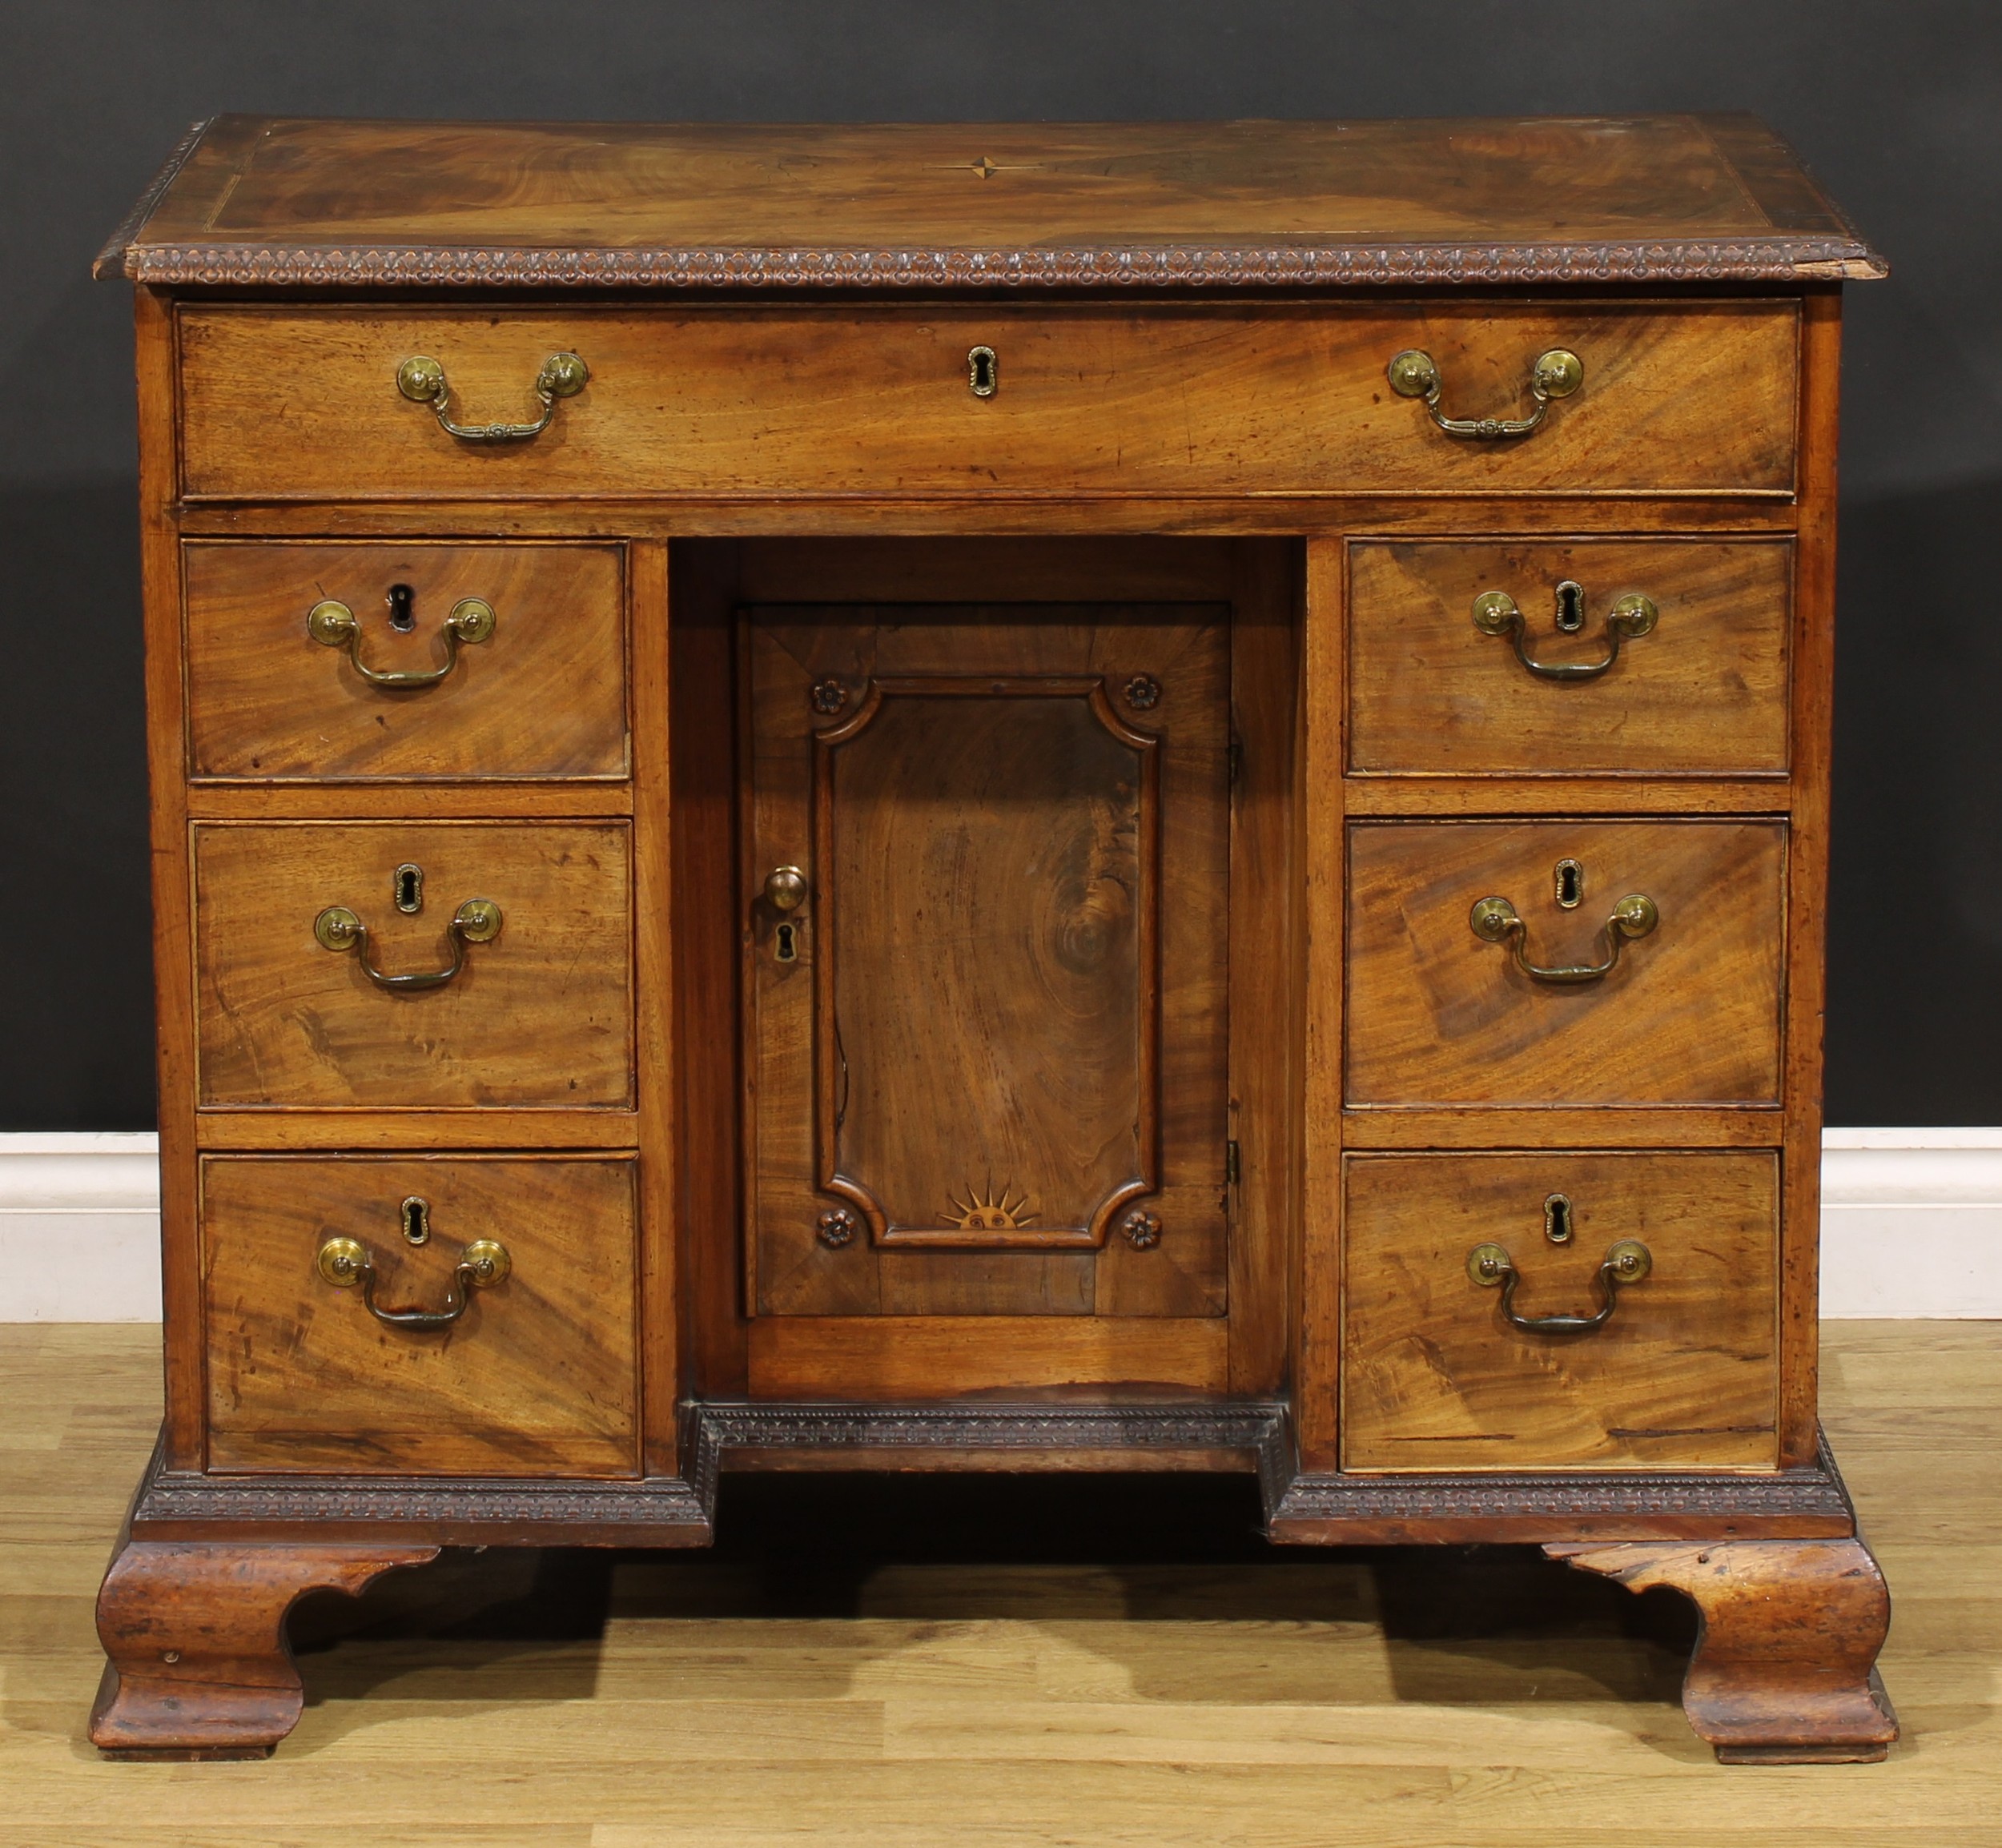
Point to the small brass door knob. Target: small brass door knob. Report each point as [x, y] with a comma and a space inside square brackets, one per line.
[785, 887]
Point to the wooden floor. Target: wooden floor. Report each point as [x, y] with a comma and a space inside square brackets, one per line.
[958, 1662]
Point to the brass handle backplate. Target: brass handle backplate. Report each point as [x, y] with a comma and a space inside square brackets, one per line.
[1626, 1261]
[1634, 615]
[345, 1262]
[1496, 921]
[477, 921]
[334, 625]
[1556, 374]
[422, 380]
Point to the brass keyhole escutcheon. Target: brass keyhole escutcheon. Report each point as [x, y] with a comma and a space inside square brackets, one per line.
[1568, 876]
[416, 1213]
[785, 888]
[1557, 1219]
[407, 890]
[786, 943]
[983, 371]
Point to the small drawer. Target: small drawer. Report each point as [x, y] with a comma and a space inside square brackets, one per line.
[536, 1374]
[535, 916]
[1439, 1373]
[418, 661]
[1180, 400]
[1661, 657]
[1688, 1013]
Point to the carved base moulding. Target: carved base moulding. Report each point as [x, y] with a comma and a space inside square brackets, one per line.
[1301, 1509]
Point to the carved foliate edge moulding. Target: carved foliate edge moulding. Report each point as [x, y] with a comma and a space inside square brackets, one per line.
[675, 1510]
[1816, 1496]
[1750, 259]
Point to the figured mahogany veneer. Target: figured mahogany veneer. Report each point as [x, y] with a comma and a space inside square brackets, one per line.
[542, 1014]
[1703, 693]
[255, 199]
[267, 703]
[700, 402]
[540, 1377]
[1689, 1015]
[985, 846]
[1685, 1374]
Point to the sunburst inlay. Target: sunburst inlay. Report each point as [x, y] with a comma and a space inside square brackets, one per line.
[992, 1212]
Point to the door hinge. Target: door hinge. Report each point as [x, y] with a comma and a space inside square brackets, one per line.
[1231, 1163]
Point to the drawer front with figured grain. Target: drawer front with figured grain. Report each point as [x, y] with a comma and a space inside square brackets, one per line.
[423, 1314]
[1074, 402]
[1472, 1283]
[329, 660]
[1532, 656]
[414, 965]
[1565, 963]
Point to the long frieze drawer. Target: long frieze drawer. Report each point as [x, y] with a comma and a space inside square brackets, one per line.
[1696, 397]
[412, 661]
[1532, 656]
[437, 1316]
[414, 965]
[1547, 1311]
[1565, 962]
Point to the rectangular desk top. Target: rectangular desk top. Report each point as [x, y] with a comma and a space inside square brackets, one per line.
[265, 201]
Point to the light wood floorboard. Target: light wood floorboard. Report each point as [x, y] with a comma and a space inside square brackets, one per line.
[914, 1662]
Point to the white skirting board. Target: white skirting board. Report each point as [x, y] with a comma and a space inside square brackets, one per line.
[1910, 1225]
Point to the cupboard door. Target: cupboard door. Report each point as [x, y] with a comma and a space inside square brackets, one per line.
[984, 891]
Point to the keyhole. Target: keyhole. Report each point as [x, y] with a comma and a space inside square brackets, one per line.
[1557, 1219]
[410, 889]
[786, 943]
[1570, 879]
[416, 1220]
[403, 613]
[983, 371]
[1570, 607]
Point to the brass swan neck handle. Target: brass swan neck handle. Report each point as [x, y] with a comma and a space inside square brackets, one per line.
[1626, 1261]
[1495, 613]
[1556, 374]
[1496, 921]
[345, 1262]
[334, 625]
[477, 921]
[421, 379]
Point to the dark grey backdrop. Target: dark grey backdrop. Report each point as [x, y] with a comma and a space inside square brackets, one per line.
[1898, 107]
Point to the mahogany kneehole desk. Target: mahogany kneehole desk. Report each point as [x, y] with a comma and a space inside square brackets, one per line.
[990, 798]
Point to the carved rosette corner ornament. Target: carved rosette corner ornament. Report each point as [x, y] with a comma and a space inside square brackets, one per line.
[1142, 1230]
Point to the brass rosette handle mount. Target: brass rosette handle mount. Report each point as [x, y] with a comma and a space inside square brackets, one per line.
[1497, 921]
[1555, 375]
[334, 625]
[422, 380]
[477, 921]
[346, 1264]
[1626, 1261]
